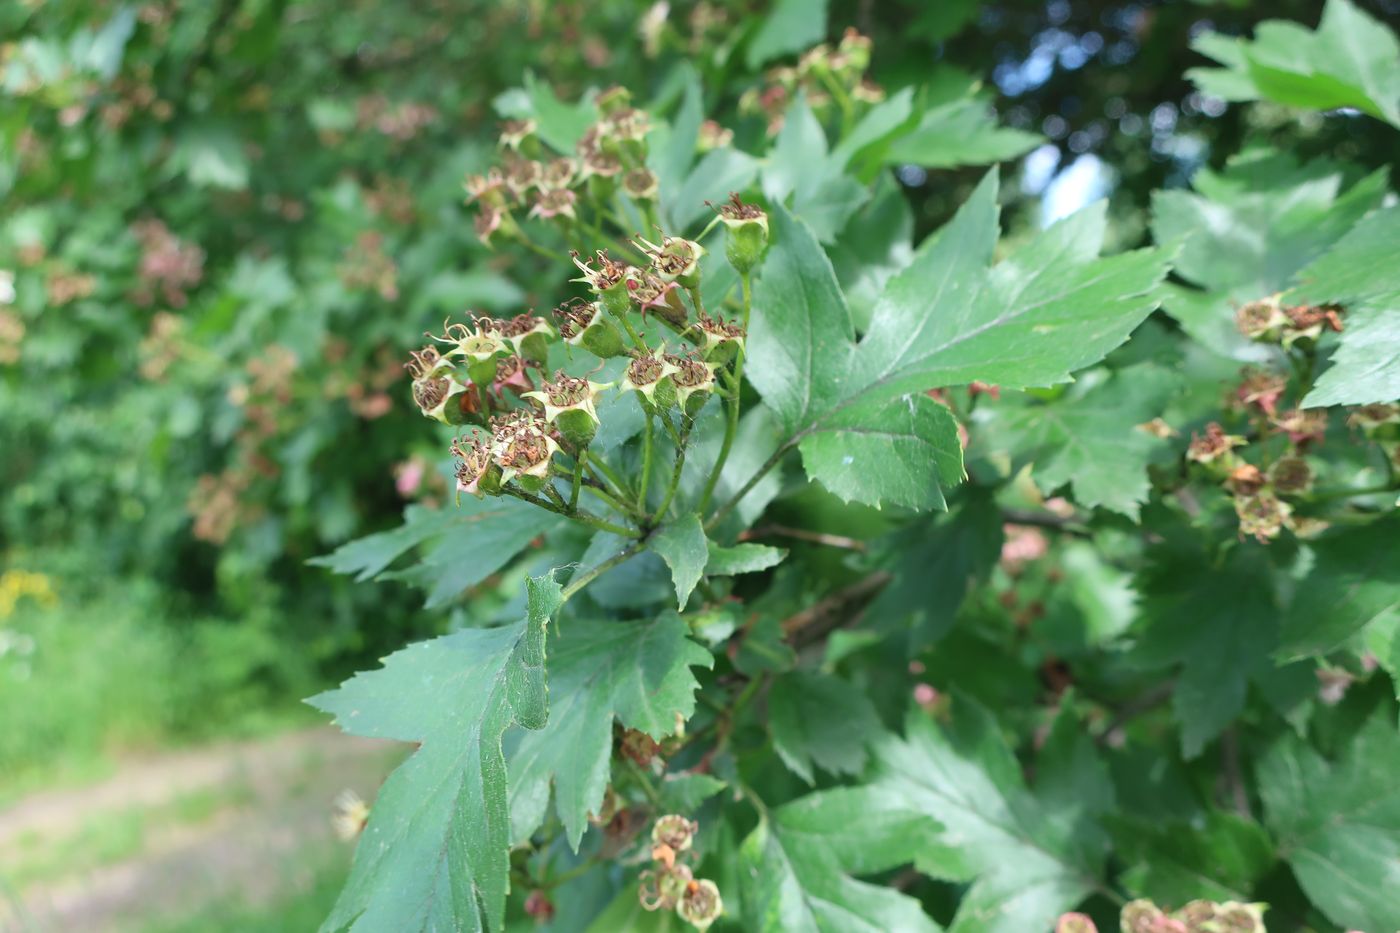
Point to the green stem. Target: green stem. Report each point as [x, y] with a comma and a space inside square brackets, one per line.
[579, 463]
[843, 100]
[602, 525]
[536, 248]
[695, 300]
[636, 338]
[646, 464]
[746, 285]
[588, 576]
[624, 507]
[768, 464]
[643, 781]
[670, 427]
[1331, 494]
[675, 479]
[566, 876]
[731, 427]
[599, 467]
[586, 518]
[556, 498]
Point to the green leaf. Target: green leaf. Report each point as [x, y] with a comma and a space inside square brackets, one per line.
[369, 556]
[938, 21]
[1219, 857]
[817, 719]
[799, 153]
[1050, 308]
[1360, 271]
[764, 648]
[947, 319]
[1248, 231]
[802, 333]
[559, 124]
[822, 194]
[1351, 60]
[211, 156]
[742, 558]
[103, 54]
[796, 865]
[878, 126]
[461, 546]
[712, 179]
[684, 793]
[1354, 580]
[1220, 630]
[1029, 865]
[936, 562]
[1338, 823]
[682, 545]
[434, 855]
[635, 672]
[485, 538]
[903, 451]
[959, 132]
[877, 243]
[792, 26]
[1366, 368]
[1088, 437]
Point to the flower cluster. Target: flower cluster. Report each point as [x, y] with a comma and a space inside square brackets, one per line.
[1270, 321]
[1269, 472]
[829, 78]
[169, 266]
[671, 884]
[489, 374]
[367, 266]
[608, 161]
[1143, 916]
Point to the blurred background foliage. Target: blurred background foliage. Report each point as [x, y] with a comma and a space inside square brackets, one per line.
[226, 221]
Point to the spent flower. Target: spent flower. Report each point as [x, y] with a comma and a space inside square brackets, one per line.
[570, 404]
[1261, 320]
[1213, 446]
[650, 374]
[748, 233]
[583, 324]
[675, 259]
[700, 905]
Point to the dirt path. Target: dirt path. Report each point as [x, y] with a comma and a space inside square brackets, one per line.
[224, 821]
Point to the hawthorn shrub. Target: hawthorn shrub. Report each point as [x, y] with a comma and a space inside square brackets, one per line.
[983, 583]
[801, 572]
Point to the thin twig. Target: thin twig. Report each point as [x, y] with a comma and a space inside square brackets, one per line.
[1234, 780]
[816, 622]
[804, 534]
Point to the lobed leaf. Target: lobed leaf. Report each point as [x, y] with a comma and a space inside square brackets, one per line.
[1350, 60]
[796, 865]
[434, 854]
[1028, 866]
[1338, 823]
[682, 545]
[1089, 437]
[637, 673]
[820, 720]
[947, 319]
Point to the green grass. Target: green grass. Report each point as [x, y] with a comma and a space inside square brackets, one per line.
[119, 674]
[313, 882]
